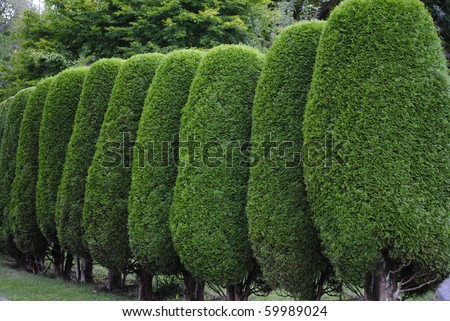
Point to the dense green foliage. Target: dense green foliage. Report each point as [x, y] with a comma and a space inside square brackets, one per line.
[377, 128]
[39, 43]
[55, 130]
[94, 100]
[22, 205]
[3, 112]
[105, 213]
[8, 149]
[154, 173]
[208, 221]
[284, 239]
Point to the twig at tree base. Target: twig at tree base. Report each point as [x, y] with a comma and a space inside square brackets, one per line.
[419, 286]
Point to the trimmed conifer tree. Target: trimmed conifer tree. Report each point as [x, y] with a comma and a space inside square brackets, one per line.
[105, 213]
[27, 235]
[94, 100]
[55, 131]
[377, 130]
[154, 173]
[284, 239]
[8, 150]
[208, 221]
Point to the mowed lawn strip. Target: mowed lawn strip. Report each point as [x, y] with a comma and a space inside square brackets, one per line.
[19, 285]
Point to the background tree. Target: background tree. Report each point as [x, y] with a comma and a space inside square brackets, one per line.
[283, 236]
[105, 213]
[377, 127]
[155, 169]
[4, 106]
[8, 151]
[94, 100]
[208, 222]
[27, 235]
[55, 131]
[10, 13]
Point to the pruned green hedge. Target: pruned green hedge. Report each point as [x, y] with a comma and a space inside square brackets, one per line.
[22, 205]
[105, 213]
[94, 100]
[8, 149]
[208, 222]
[56, 128]
[154, 174]
[283, 236]
[377, 129]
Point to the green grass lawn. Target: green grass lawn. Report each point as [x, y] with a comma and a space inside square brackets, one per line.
[19, 285]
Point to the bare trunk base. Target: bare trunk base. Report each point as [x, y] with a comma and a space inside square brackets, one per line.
[77, 268]
[194, 290]
[86, 270]
[114, 280]
[145, 286]
[237, 293]
[58, 260]
[381, 285]
[68, 264]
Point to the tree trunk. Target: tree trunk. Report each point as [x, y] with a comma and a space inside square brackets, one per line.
[40, 263]
[231, 293]
[58, 260]
[381, 285]
[114, 280]
[145, 285]
[241, 291]
[86, 270]
[194, 290]
[77, 268]
[68, 263]
[238, 292]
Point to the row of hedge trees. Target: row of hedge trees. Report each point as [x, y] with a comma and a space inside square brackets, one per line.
[312, 167]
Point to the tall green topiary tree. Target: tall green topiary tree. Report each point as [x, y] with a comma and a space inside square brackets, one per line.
[208, 221]
[283, 236]
[154, 173]
[55, 130]
[105, 213]
[8, 151]
[377, 130]
[22, 205]
[94, 100]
